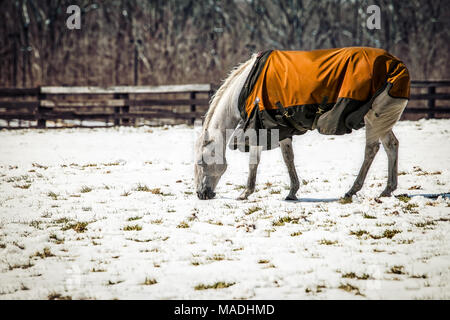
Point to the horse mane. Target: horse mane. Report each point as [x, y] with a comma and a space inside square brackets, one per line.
[214, 102]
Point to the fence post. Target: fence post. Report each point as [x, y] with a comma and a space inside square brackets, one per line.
[116, 111]
[41, 122]
[193, 106]
[125, 109]
[431, 102]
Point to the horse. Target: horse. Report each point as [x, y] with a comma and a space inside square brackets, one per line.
[225, 114]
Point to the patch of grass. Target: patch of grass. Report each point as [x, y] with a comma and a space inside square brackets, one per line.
[20, 266]
[142, 188]
[23, 186]
[367, 216]
[125, 194]
[217, 285]
[216, 223]
[352, 275]
[40, 166]
[317, 290]
[358, 233]
[78, 227]
[24, 287]
[411, 207]
[53, 195]
[346, 200]
[134, 218]
[251, 210]
[216, 257]
[397, 270]
[387, 224]
[188, 193]
[350, 288]
[55, 238]
[58, 296]
[20, 246]
[135, 227]
[44, 254]
[85, 189]
[419, 276]
[183, 225]
[425, 224]
[327, 242]
[403, 197]
[149, 281]
[86, 209]
[156, 221]
[112, 283]
[140, 240]
[263, 261]
[62, 220]
[111, 164]
[98, 270]
[35, 224]
[239, 187]
[425, 173]
[283, 220]
[276, 191]
[296, 234]
[389, 234]
[156, 191]
[89, 165]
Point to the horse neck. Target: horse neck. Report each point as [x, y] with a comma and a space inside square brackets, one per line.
[226, 115]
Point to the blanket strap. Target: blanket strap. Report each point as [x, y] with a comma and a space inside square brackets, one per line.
[319, 112]
[288, 118]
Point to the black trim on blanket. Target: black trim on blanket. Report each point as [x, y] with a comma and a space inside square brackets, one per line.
[251, 80]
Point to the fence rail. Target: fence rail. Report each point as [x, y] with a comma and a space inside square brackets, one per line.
[124, 105]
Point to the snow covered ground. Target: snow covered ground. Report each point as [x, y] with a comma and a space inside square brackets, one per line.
[111, 213]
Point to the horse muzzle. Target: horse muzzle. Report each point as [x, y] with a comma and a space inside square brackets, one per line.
[206, 194]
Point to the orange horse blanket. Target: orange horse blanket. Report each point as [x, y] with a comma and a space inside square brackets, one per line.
[336, 84]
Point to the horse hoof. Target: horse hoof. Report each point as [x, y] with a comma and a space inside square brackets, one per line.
[348, 195]
[385, 194]
[291, 198]
[242, 197]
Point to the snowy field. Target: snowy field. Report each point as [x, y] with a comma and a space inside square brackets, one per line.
[112, 214]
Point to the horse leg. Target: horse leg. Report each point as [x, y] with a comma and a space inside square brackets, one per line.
[288, 157]
[380, 120]
[255, 157]
[390, 144]
[371, 149]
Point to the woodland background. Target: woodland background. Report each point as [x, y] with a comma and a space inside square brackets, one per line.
[150, 42]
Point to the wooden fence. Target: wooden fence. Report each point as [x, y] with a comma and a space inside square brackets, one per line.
[120, 105]
[128, 105]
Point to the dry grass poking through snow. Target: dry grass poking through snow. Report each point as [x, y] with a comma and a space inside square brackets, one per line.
[113, 215]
